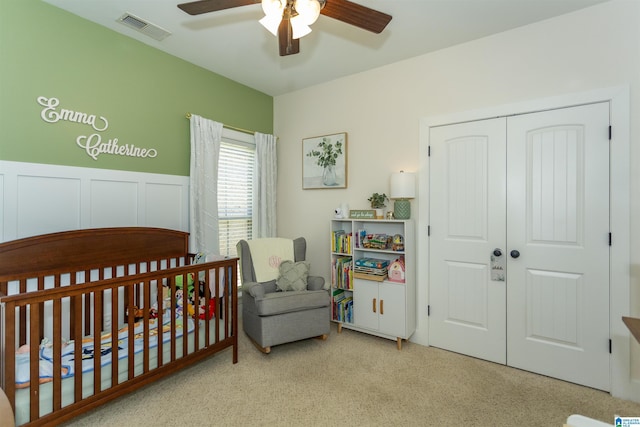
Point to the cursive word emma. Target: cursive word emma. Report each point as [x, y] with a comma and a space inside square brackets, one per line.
[94, 146]
[51, 114]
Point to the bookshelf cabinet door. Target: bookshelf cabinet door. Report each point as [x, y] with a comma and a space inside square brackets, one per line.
[392, 309]
[366, 304]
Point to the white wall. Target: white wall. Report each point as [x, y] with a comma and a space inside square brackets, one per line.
[598, 47]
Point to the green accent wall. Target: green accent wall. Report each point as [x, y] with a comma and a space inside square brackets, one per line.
[143, 92]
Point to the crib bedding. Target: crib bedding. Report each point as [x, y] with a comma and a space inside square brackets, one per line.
[46, 387]
[88, 352]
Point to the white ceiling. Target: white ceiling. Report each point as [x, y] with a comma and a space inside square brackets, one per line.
[232, 42]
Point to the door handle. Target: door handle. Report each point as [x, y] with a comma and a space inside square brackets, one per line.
[374, 305]
[515, 254]
[381, 306]
[497, 252]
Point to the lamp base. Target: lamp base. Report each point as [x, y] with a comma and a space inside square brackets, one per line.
[402, 209]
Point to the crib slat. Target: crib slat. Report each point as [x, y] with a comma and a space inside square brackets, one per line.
[174, 307]
[34, 374]
[114, 336]
[216, 291]
[23, 315]
[207, 308]
[77, 348]
[57, 354]
[160, 302]
[41, 305]
[145, 326]
[72, 317]
[97, 345]
[185, 314]
[87, 304]
[131, 325]
[196, 308]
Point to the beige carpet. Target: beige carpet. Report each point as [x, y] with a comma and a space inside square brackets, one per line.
[353, 379]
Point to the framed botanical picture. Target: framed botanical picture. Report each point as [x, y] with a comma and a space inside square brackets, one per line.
[324, 161]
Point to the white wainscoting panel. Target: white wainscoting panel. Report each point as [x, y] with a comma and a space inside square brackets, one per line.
[39, 198]
[117, 204]
[46, 203]
[161, 211]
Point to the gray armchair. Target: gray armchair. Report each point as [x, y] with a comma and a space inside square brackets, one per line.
[271, 316]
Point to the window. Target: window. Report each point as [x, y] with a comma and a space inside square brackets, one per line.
[235, 189]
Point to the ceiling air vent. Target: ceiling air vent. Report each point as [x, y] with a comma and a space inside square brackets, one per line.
[143, 26]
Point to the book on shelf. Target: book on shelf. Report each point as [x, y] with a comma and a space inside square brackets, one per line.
[341, 273]
[360, 235]
[341, 242]
[343, 310]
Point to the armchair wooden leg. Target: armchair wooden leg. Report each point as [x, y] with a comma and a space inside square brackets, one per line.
[265, 350]
[323, 337]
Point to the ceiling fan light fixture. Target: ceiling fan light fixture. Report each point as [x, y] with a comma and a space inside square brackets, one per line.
[299, 27]
[308, 10]
[271, 23]
[273, 7]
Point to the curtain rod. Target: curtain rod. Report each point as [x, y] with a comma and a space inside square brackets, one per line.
[250, 132]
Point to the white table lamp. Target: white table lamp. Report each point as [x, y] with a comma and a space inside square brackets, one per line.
[403, 188]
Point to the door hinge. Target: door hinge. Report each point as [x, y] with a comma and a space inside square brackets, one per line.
[429, 151]
[610, 132]
[610, 239]
[428, 310]
[428, 230]
[610, 346]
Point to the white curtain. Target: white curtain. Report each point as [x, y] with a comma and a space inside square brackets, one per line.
[203, 185]
[264, 187]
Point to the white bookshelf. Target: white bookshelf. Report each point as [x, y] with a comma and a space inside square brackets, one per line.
[370, 303]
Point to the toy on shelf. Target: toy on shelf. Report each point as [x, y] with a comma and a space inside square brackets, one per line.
[377, 241]
[398, 243]
[395, 271]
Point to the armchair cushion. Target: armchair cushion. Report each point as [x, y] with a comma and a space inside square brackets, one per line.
[315, 283]
[287, 302]
[293, 276]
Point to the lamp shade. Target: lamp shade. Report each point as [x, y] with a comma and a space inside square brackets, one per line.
[403, 185]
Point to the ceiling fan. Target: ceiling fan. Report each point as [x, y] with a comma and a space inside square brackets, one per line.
[285, 17]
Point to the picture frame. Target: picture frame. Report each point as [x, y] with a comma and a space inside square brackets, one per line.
[324, 162]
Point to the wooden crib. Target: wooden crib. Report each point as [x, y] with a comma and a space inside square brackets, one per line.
[93, 314]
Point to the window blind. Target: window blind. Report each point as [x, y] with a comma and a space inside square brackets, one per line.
[235, 194]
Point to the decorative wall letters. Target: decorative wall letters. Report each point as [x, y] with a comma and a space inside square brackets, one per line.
[92, 144]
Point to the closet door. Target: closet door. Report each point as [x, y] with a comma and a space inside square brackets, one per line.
[536, 188]
[467, 224]
[558, 244]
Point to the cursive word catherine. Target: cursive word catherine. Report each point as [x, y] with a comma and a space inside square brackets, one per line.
[50, 114]
[94, 146]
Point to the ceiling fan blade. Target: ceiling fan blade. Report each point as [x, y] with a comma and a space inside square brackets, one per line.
[355, 14]
[206, 6]
[288, 45]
